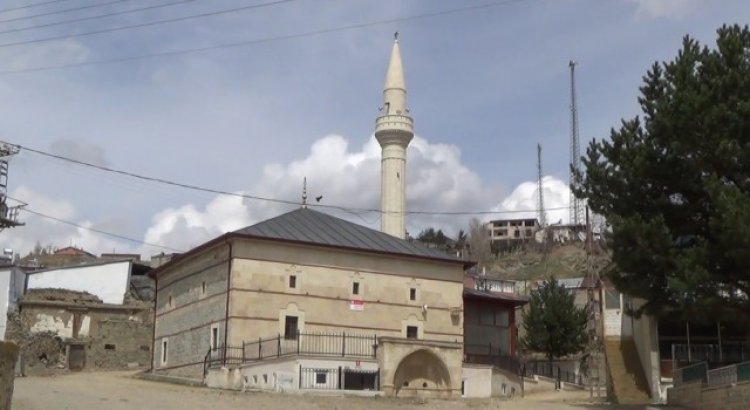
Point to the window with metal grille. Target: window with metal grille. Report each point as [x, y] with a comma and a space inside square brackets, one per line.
[355, 288]
[292, 281]
[412, 332]
[412, 294]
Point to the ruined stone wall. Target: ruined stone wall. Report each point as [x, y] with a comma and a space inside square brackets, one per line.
[120, 343]
[111, 336]
[8, 355]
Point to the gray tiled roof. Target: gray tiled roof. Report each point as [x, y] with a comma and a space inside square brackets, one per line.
[307, 225]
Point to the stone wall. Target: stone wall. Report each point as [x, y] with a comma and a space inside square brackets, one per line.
[111, 336]
[190, 302]
[692, 396]
[8, 355]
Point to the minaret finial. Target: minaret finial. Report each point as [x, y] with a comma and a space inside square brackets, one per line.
[395, 36]
[304, 192]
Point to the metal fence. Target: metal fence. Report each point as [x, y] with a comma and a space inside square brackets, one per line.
[728, 374]
[338, 379]
[319, 379]
[691, 373]
[312, 344]
[223, 355]
[299, 344]
[714, 354]
[552, 371]
[489, 354]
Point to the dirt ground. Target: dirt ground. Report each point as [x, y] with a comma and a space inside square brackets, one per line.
[121, 391]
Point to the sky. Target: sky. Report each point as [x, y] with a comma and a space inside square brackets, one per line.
[297, 96]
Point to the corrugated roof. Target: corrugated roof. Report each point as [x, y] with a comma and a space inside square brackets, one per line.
[507, 297]
[307, 225]
[571, 283]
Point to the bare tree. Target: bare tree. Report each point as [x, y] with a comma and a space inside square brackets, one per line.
[479, 244]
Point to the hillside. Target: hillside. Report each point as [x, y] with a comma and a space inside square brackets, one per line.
[563, 261]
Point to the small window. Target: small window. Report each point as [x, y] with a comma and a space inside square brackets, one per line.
[203, 288]
[170, 300]
[164, 346]
[109, 347]
[145, 348]
[290, 328]
[265, 379]
[412, 332]
[255, 379]
[321, 377]
[215, 338]
[413, 294]
[292, 281]
[355, 288]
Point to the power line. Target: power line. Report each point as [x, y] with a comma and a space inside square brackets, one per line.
[99, 231]
[148, 24]
[265, 40]
[99, 16]
[51, 13]
[256, 197]
[30, 5]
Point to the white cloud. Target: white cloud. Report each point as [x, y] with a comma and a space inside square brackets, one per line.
[525, 196]
[437, 181]
[186, 227]
[47, 231]
[665, 8]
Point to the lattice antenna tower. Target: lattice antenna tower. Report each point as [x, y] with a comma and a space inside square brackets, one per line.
[576, 204]
[8, 214]
[540, 187]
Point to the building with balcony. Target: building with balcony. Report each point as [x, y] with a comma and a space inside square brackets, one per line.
[512, 230]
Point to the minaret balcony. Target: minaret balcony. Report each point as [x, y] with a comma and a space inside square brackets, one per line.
[402, 123]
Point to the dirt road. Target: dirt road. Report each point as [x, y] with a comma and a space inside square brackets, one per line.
[120, 391]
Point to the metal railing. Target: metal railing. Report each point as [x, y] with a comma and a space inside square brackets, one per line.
[492, 355]
[312, 344]
[341, 378]
[299, 344]
[552, 371]
[692, 373]
[728, 374]
[715, 354]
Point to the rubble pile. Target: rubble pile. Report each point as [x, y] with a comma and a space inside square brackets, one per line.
[38, 351]
[61, 295]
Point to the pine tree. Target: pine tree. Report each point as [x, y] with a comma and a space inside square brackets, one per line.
[554, 325]
[674, 185]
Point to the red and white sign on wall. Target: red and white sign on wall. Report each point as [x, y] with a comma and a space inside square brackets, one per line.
[357, 305]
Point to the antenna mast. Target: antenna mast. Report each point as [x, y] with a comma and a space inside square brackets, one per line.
[576, 205]
[540, 187]
[8, 214]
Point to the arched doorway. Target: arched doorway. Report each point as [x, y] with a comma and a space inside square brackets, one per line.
[421, 370]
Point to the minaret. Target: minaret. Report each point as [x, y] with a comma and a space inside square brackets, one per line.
[394, 130]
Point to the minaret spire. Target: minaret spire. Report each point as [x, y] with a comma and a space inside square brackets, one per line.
[394, 129]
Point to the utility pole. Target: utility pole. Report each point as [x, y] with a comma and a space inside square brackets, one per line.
[8, 214]
[576, 204]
